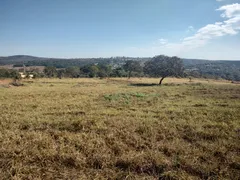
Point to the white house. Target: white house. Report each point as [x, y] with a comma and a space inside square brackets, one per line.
[22, 75]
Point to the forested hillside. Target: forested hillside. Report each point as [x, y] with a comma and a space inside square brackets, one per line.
[229, 70]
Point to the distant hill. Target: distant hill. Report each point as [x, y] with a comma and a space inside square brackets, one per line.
[194, 67]
[19, 60]
[33, 60]
[193, 62]
[229, 70]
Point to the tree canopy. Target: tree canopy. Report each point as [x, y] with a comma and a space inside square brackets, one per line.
[132, 66]
[73, 72]
[164, 66]
[50, 71]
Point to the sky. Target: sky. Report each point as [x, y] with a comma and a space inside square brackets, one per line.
[199, 29]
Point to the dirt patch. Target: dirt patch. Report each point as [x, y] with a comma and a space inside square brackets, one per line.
[5, 81]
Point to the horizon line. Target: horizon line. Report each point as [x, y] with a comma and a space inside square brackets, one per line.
[68, 58]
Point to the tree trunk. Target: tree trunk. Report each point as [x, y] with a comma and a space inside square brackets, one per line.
[129, 74]
[161, 80]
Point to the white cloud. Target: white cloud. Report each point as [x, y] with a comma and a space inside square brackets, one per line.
[233, 22]
[229, 26]
[230, 10]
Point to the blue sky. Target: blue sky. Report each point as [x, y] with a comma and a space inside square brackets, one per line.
[208, 29]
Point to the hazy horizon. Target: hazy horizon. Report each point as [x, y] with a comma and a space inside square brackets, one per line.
[207, 29]
[115, 57]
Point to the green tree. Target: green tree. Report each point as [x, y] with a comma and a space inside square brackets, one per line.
[90, 70]
[93, 71]
[4, 73]
[132, 66]
[73, 72]
[50, 71]
[9, 73]
[164, 66]
[104, 70]
[118, 72]
[15, 75]
[61, 73]
[86, 69]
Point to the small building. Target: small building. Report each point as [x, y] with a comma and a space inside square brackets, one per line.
[22, 75]
[30, 76]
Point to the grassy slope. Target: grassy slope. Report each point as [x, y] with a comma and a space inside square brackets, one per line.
[99, 129]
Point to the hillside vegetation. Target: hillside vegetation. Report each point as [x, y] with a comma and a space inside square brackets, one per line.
[120, 129]
[229, 70]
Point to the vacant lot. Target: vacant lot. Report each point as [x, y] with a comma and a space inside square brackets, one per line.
[120, 129]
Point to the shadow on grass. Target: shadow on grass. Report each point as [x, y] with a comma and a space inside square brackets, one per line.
[143, 84]
[149, 85]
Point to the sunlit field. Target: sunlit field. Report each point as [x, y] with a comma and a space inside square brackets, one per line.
[120, 129]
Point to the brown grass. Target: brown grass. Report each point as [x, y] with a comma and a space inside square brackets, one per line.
[111, 129]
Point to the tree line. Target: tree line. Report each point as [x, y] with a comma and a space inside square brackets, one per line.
[159, 66]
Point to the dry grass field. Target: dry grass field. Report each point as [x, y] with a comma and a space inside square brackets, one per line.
[120, 129]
